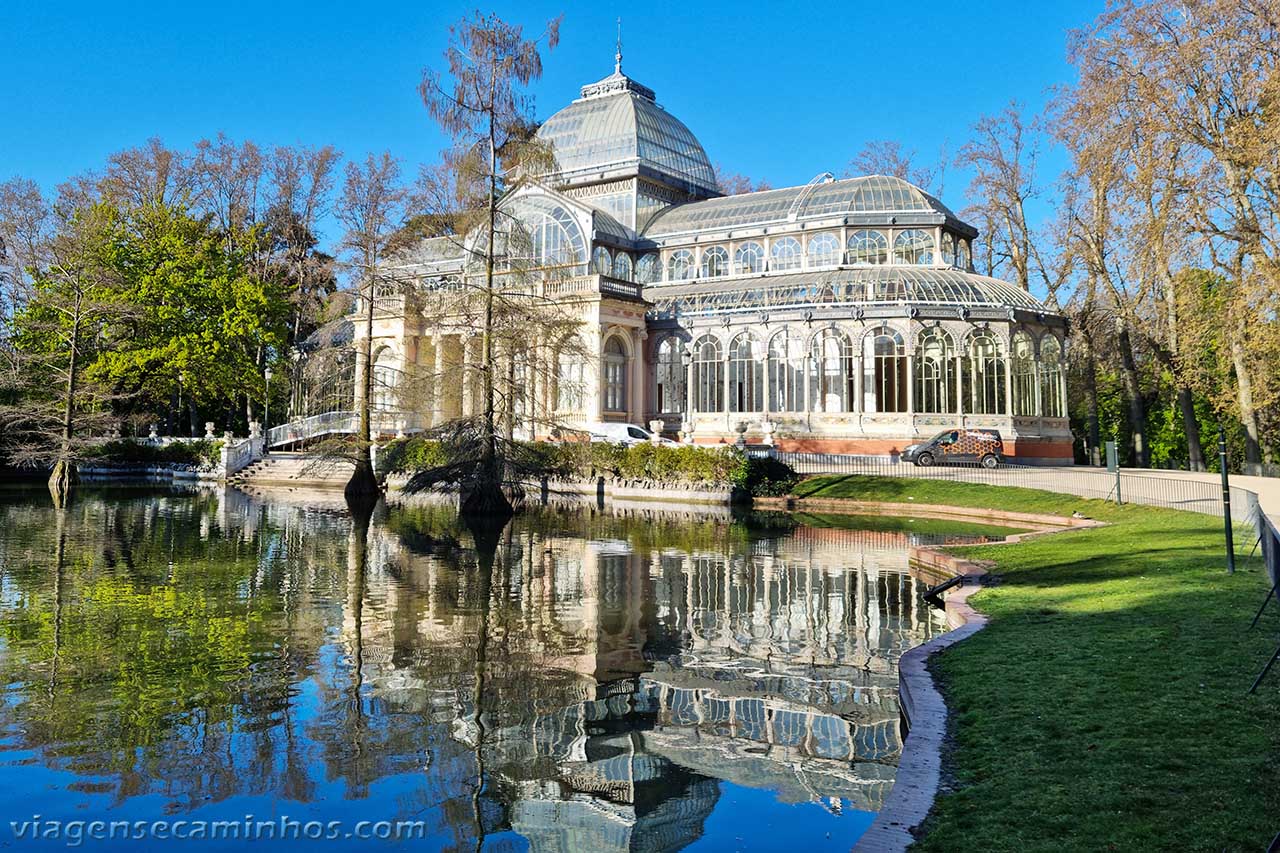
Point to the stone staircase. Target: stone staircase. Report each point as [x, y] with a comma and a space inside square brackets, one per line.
[306, 470]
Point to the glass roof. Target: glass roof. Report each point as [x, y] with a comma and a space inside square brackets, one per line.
[871, 194]
[617, 122]
[605, 224]
[863, 286]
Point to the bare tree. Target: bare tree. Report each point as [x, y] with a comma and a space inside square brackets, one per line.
[70, 296]
[479, 102]
[736, 183]
[371, 208]
[1003, 154]
[24, 224]
[889, 157]
[302, 180]
[150, 174]
[1200, 80]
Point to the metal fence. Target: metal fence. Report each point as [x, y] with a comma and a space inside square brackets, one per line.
[1148, 487]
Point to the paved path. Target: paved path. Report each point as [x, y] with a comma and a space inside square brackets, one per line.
[1173, 489]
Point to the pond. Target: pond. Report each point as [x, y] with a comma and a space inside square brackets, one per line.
[224, 667]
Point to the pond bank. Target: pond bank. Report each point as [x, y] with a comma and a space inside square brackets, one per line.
[1103, 706]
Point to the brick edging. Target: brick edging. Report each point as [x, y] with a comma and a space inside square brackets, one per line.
[924, 715]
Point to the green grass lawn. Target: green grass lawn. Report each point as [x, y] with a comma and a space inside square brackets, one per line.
[1104, 706]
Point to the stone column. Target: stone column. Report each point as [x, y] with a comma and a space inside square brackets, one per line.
[468, 401]
[640, 375]
[437, 381]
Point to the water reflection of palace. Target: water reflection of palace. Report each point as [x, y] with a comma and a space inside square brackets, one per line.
[591, 687]
[771, 664]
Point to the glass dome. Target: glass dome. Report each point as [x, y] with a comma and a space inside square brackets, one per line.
[617, 123]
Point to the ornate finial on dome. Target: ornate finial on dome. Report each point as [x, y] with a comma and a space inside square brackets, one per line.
[617, 57]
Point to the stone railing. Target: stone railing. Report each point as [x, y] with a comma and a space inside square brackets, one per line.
[238, 454]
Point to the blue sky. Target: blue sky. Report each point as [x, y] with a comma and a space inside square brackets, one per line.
[774, 91]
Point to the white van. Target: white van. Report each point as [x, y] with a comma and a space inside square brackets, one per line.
[623, 434]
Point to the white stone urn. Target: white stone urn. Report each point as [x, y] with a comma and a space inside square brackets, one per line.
[208, 430]
[656, 426]
[767, 427]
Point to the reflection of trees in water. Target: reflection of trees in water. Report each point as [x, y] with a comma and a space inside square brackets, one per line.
[169, 653]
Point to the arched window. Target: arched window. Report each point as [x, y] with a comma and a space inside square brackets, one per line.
[831, 373]
[786, 373]
[785, 254]
[1053, 398]
[948, 249]
[914, 246]
[868, 247]
[715, 262]
[570, 376]
[554, 236]
[746, 374]
[708, 375]
[622, 266]
[386, 379]
[601, 262]
[884, 371]
[648, 270]
[964, 257]
[749, 258]
[1022, 373]
[935, 373]
[984, 375]
[680, 266]
[615, 375]
[824, 250]
[669, 369]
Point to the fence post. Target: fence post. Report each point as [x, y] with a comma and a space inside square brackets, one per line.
[1113, 464]
[1226, 501]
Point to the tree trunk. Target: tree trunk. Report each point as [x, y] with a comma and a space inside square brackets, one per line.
[1191, 427]
[1091, 402]
[1133, 390]
[486, 496]
[1248, 415]
[63, 475]
[364, 481]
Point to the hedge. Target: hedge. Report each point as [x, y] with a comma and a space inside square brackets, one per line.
[661, 463]
[203, 453]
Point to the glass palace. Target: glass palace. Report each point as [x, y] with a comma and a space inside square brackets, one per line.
[839, 316]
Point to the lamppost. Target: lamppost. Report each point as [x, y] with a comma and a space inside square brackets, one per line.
[266, 414]
[177, 426]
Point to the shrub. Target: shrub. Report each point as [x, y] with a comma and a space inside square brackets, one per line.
[407, 455]
[203, 454]
[765, 476]
[685, 464]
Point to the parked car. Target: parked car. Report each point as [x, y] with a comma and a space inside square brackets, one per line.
[623, 434]
[983, 446]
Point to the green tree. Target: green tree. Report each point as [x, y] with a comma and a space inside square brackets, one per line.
[201, 320]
